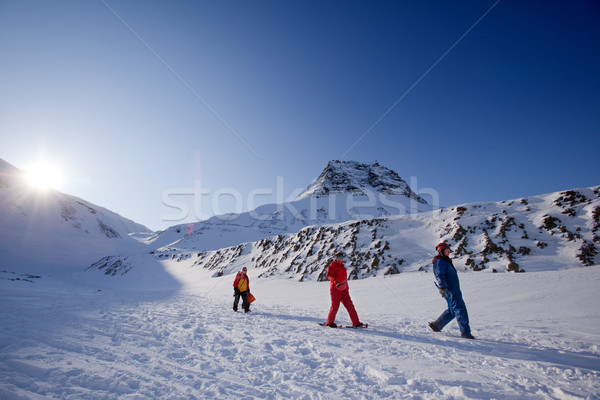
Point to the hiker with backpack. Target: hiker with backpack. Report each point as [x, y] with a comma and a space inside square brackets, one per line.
[340, 293]
[449, 287]
[241, 288]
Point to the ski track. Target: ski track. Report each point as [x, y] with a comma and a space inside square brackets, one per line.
[180, 345]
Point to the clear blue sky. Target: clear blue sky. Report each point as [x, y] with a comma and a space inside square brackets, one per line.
[135, 99]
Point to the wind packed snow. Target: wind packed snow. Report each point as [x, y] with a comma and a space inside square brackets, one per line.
[80, 335]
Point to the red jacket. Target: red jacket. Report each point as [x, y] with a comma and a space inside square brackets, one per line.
[336, 273]
[242, 282]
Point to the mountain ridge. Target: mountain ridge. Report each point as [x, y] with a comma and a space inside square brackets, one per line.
[354, 177]
[345, 190]
[48, 226]
[297, 239]
[545, 232]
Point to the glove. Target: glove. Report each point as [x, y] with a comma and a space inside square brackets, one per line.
[443, 292]
[236, 291]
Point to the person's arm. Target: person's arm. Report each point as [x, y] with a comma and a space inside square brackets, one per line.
[235, 283]
[330, 273]
[439, 270]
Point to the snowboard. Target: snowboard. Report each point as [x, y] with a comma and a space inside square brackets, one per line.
[346, 326]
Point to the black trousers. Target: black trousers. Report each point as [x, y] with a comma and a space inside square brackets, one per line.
[245, 302]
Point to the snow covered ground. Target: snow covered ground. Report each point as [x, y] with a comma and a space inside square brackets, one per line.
[116, 338]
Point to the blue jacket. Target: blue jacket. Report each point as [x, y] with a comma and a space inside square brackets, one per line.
[445, 275]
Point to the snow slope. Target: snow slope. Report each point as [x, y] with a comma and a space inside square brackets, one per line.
[39, 229]
[97, 337]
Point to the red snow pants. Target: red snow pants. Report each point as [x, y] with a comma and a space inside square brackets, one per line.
[341, 296]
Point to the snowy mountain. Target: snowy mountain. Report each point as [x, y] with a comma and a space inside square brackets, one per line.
[345, 190]
[161, 325]
[342, 177]
[49, 228]
[546, 232]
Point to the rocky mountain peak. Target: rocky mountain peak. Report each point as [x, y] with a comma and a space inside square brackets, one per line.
[352, 177]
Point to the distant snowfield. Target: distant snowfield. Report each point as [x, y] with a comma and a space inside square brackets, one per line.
[178, 338]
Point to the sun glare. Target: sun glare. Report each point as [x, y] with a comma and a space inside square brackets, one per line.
[44, 176]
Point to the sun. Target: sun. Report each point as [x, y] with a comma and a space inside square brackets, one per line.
[44, 175]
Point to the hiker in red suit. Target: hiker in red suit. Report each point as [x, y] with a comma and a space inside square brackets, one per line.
[241, 287]
[337, 275]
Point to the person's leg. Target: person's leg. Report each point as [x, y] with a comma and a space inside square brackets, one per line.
[447, 315]
[236, 300]
[335, 305]
[462, 316]
[245, 302]
[347, 302]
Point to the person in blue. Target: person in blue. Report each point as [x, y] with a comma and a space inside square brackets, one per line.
[449, 287]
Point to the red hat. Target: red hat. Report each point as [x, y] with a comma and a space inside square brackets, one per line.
[440, 247]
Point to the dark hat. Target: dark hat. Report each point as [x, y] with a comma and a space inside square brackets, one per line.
[339, 254]
[244, 269]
